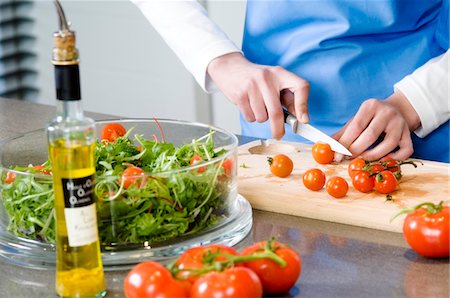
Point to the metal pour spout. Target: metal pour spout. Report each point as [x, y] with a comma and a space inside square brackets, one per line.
[63, 24]
[64, 51]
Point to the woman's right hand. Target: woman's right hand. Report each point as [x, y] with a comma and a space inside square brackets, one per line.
[256, 90]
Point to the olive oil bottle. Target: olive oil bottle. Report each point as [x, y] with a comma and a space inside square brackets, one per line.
[71, 141]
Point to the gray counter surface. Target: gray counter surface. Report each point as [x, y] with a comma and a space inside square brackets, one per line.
[338, 260]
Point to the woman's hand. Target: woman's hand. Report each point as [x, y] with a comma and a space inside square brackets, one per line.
[256, 89]
[393, 119]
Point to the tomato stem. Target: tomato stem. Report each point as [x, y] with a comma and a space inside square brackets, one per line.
[210, 263]
[430, 207]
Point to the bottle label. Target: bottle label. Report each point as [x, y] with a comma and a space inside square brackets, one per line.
[81, 217]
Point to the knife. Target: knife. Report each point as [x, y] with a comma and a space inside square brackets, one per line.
[311, 133]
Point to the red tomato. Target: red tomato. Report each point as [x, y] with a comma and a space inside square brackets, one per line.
[10, 177]
[111, 132]
[428, 233]
[385, 182]
[337, 187]
[363, 182]
[235, 282]
[322, 153]
[40, 169]
[151, 279]
[196, 159]
[280, 165]
[131, 176]
[274, 278]
[314, 179]
[195, 258]
[390, 164]
[355, 166]
[227, 166]
[375, 169]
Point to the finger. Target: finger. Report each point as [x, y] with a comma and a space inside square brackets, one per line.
[257, 104]
[300, 89]
[389, 143]
[245, 108]
[341, 131]
[301, 103]
[271, 95]
[356, 126]
[406, 146]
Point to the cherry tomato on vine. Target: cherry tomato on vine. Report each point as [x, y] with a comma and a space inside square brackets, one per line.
[280, 165]
[322, 153]
[151, 279]
[363, 182]
[111, 132]
[390, 163]
[376, 168]
[197, 257]
[426, 229]
[355, 166]
[196, 159]
[235, 282]
[314, 179]
[274, 278]
[385, 182]
[337, 187]
[10, 177]
[131, 175]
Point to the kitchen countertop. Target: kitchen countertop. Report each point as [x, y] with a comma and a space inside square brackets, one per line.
[338, 260]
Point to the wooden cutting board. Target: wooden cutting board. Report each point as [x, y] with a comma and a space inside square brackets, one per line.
[264, 191]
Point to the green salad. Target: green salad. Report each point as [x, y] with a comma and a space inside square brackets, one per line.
[160, 205]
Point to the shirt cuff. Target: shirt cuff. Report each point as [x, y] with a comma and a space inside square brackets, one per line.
[416, 98]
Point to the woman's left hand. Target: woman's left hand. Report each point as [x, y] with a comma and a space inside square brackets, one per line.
[392, 119]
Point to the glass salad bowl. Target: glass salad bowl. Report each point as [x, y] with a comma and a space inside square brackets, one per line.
[162, 187]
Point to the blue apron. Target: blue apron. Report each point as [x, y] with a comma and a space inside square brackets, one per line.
[349, 51]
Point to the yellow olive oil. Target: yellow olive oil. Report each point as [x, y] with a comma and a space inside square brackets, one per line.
[79, 271]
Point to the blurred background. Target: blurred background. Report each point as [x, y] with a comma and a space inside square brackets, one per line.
[126, 68]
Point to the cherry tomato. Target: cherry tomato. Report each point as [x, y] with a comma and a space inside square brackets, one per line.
[10, 177]
[274, 278]
[227, 166]
[131, 176]
[390, 163]
[314, 179]
[363, 182]
[428, 232]
[151, 279]
[196, 159]
[111, 132]
[196, 257]
[280, 165]
[385, 182]
[355, 166]
[322, 153]
[337, 187]
[235, 282]
[375, 169]
[41, 169]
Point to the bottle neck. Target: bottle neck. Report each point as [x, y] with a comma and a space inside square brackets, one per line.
[69, 109]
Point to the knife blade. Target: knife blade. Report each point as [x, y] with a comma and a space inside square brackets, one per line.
[311, 133]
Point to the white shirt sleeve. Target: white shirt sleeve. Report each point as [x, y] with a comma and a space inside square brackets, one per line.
[186, 28]
[427, 89]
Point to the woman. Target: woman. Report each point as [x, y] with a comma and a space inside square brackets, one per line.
[369, 72]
